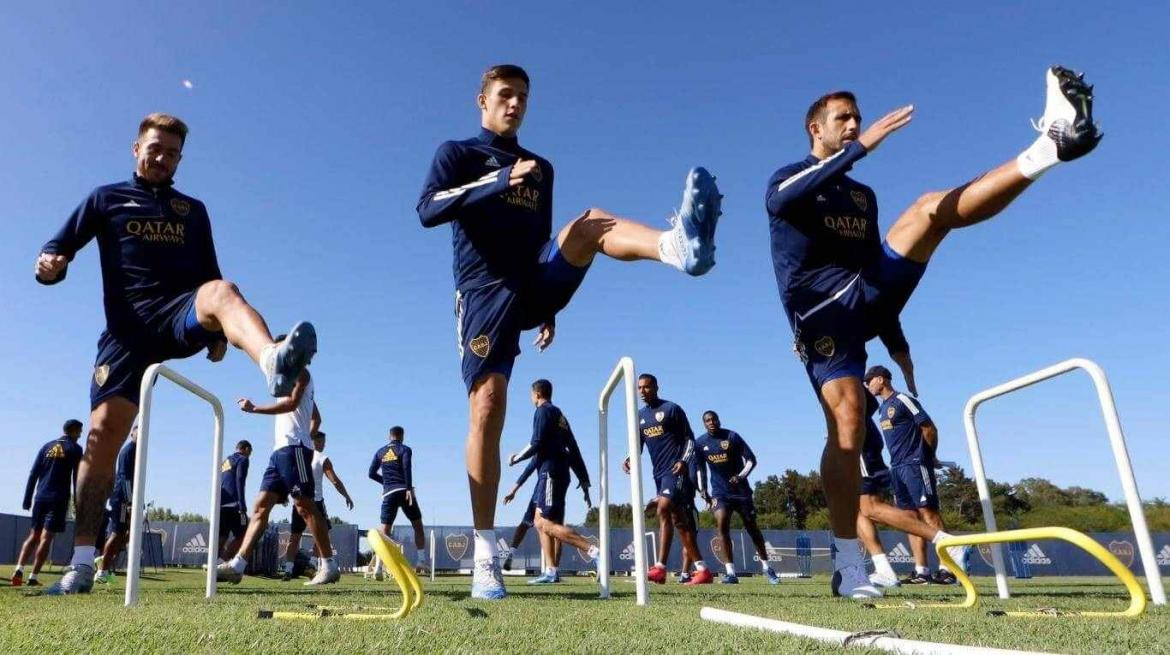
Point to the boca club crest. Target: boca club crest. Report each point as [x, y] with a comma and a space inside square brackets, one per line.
[180, 206]
[859, 199]
[1123, 550]
[457, 545]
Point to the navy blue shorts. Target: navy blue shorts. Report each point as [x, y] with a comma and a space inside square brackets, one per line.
[118, 514]
[50, 515]
[529, 514]
[875, 483]
[173, 333]
[395, 501]
[678, 489]
[914, 486]
[831, 336]
[742, 505]
[549, 497]
[231, 524]
[489, 320]
[298, 523]
[288, 473]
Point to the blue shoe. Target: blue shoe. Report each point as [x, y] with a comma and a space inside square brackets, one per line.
[683, 578]
[696, 220]
[729, 578]
[283, 364]
[773, 577]
[77, 580]
[487, 583]
[544, 579]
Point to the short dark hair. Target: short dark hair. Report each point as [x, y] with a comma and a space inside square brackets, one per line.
[502, 72]
[243, 443]
[71, 425]
[543, 388]
[316, 434]
[397, 431]
[816, 111]
[280, 337]
[712, 413]
[648, 376]
[878, 371]
[164, 123]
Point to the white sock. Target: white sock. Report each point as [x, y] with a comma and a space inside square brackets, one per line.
[238, 564]
[881, 564]
[764, 566]
[420, 557]
[83, 555]
[593, 552]
[265, 353]
[552, 570]
[659, 564]
[18, 569]
[848, 551]
[939, 536]
[943, 567]
[668, 249]
[730, 568]
[922, 570]
[485, 544]
[700, 566]
[32, 577]
[377, 565]
[1038, 158]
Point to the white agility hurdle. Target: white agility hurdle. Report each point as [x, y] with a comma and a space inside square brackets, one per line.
[1120, 453]
[134, 550]
[623, 370]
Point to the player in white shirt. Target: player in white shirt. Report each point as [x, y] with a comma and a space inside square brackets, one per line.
[322, 468]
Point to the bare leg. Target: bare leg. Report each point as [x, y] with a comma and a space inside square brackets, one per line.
[557, 553]
[904, 520]
[294, 545]
[921, 228]
[114, 545]
[918, 549]
[42, 554]
[548, 555]
[867, 533]
[30, 542]
[220, 308]
[690, 542]
[519, 534]
[229, 549]
[561, 533]
[665, 530]
[488, 402]
[757, 537]
[257, 523]
[844, 402]
[723, 525]
[110, 424]
[318, 525]
[598, 231]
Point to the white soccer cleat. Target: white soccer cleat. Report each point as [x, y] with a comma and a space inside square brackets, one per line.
[850, 581]
[227, 573]
[959, 554]
[1068, 114]
[78, 579]
[883, 581]
[327, 574]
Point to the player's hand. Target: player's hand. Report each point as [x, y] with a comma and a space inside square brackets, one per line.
[588, 500]
[677, 468]
[512, 459]
[885, 126]
[49, 266]
[348, 502]
[216, 350]
[511, 495]
[626, 465]
[544, 337]
[246, 405]
[521, 169]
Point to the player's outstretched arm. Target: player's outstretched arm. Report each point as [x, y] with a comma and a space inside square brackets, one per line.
[446, 192]
[793, 183]
[82, 225]
[337, 483]
[527, 472]
[885, 126]
[284, 405]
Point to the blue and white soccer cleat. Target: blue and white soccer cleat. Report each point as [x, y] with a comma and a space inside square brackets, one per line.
[284, 364]
[487, 583]
[78, 579]
[544, 578]
[850, 581]
[1068, 114]
[773, 577]
[729, 578]
[694, 224]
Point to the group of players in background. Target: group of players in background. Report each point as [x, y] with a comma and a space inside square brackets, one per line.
[841, 285]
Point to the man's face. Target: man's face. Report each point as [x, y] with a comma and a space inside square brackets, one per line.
[246, 451]
[648, 390]
[134, 434]
[711, 422]
[503, 105]
[841, 125]
[318, 443]
[535, 397]
[874, 384]
[157, 155]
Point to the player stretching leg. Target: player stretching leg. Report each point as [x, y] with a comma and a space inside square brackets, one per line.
[839, 283]
[165, 298]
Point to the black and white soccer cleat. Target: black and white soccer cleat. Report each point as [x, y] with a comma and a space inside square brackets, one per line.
[1068, 114]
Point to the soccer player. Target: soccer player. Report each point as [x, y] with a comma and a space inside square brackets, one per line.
[53, 474]
[287, 475]
[527, 520]
[165, 298]
[118, 509]
[392, 468]
[912, 440]
[840, 283]
[513, 274]
[729, 460]
[322, 468]
[233, 506]
[664, 429]
[556, 454]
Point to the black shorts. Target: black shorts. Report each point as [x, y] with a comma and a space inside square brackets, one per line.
[742, 505]
[298, 522]
[396, 500]
[50, 515]
[231, 523]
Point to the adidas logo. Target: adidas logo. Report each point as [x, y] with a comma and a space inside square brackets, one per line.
[628, 552]
[492, 162]
[503, 549]
[774, 553]
[196, 544]
[1036, 556]
[1163, 556]
[900, 554]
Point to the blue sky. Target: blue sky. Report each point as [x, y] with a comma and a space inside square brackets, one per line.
[312, 128]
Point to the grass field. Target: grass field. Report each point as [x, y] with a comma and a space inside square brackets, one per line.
[174, 618]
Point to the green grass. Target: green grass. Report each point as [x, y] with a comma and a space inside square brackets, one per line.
[174, 618]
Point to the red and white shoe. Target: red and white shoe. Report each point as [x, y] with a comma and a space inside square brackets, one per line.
[702, 576]
[657, 574]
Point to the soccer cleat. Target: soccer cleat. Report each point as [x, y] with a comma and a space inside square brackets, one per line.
[227, 573]
[507, 565]
[544, 578]
[283, 364]
[33, 582]
[487, 583]
[729, 578]
[682, 577]
[17, 579]
[103, 577]
[327, 574]
[657, 574]
[78, 579]
[1068, 114]
[286, 575]
[942, 576]
[915, 578]
[883, 581]
[557, 575]
[773, 577]
[702, 576]
[959, 554]
[693, 228]
[850, 581]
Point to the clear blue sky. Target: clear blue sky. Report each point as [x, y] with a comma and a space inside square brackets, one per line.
[312, 128]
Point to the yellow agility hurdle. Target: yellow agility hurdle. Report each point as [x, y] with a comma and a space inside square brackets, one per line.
[1137, 597]
[400, 569]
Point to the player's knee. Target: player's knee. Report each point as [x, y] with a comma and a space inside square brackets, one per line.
[488, 397]
[221, 292]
